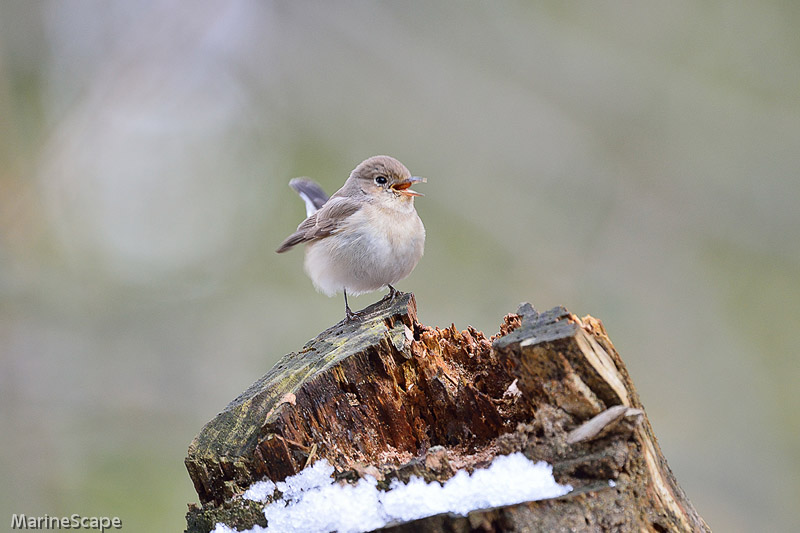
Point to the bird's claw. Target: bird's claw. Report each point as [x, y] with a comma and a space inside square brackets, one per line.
[393, 293]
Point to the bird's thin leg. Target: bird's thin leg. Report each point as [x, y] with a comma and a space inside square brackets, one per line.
[351, 316]
[393, 293]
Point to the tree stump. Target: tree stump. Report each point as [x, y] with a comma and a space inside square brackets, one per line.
[394, 398]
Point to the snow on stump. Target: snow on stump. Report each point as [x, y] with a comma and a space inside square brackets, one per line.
[387, 424]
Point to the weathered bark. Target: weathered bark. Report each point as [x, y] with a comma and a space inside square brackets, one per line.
[394, 398]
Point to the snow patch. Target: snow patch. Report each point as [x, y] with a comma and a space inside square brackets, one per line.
[312, 502]
[259, 491]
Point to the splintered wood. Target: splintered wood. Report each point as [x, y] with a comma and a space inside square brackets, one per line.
[392, 398]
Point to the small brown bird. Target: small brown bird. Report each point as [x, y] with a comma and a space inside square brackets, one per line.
[366, 236]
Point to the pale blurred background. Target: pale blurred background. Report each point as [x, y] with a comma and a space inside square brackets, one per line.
[637, 161]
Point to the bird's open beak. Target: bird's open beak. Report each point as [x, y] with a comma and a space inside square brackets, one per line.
[402, 187]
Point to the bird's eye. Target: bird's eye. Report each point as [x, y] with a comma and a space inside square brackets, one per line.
[381, 180]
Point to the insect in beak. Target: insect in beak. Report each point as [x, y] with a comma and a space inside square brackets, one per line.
[403, 187]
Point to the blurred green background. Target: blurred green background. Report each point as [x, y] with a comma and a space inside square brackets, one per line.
[637, 161]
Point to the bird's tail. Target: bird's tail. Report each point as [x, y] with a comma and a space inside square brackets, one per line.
[311, 193]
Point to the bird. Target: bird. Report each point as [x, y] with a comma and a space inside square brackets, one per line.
[367, 236]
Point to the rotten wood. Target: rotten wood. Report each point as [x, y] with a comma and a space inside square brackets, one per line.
[390, 397]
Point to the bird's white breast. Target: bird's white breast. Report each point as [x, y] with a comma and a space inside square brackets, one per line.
[380, 244]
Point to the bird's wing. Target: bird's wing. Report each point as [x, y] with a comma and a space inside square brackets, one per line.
[311, 193]
[322, 223]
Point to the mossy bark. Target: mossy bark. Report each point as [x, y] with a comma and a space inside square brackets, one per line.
[394, 398]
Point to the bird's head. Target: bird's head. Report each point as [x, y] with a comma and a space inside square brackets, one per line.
[381, 175]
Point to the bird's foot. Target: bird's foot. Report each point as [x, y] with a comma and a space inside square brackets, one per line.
[393, 293]
[352, 316]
